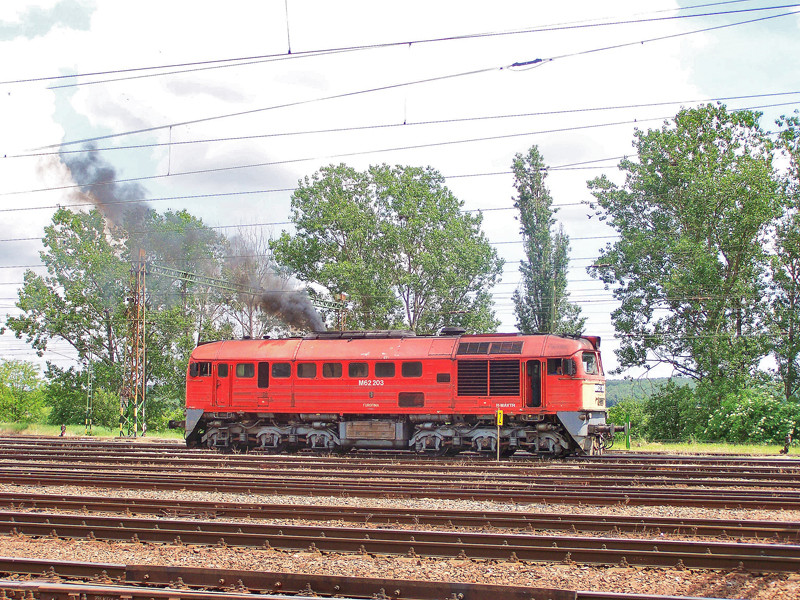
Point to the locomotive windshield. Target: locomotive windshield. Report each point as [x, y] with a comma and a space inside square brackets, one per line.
[589, 363]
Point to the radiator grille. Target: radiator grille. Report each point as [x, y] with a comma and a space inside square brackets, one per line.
[473, 377]
[504, 378]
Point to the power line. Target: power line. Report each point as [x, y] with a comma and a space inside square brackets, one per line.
[257, 59]
[518, 64]
[412, 124]
[571, 166]
[328, 157]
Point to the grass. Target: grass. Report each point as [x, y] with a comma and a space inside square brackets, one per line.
[78, 430]
[701, 447]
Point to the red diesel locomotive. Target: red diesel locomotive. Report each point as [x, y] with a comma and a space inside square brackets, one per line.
[435, 395]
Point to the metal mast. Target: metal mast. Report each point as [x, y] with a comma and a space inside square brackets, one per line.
[89, 395]
[132, 399]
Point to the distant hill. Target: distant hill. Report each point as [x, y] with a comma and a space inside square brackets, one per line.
[637, 389]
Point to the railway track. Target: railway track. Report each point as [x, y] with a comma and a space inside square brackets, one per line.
[518, 479]
[579, 492]
[177, 448]
[531, 522]
[786, 477]
[471, 543]
[59, 580]
[753, 557]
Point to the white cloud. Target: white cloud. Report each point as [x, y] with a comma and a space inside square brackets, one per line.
[130, 35]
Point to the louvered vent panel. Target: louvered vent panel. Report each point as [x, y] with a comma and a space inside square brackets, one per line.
[473, 348]
[473, 377]
[504, 378]
[506, 348]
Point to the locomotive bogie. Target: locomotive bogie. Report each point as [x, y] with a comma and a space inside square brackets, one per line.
[431, 394]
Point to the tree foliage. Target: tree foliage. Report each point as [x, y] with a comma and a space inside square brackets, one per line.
[180, 313]
[754, 414]
[394, 239]
[21, 398]
[692, 216]
[83, 300]
[250, 264]
[543, 305]
[783, 316]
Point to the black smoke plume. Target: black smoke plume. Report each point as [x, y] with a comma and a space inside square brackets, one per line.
[292, 306]
[96, 178]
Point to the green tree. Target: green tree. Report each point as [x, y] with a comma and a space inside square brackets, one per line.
[692, 216]
[395, 240]
[542, 306]
[66, 395]
[754, 415]
[82, 299]
[783, 316]
[21, 398]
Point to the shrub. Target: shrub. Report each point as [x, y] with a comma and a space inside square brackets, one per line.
[754, 415]
[633, 409]
[671, 413]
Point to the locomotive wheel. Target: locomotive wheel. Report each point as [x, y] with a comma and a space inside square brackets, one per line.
[265, 446]
[279, 449]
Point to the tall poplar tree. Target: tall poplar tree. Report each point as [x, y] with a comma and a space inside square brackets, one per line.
[542, 305]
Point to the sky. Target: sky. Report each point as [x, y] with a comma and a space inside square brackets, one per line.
[239, 103]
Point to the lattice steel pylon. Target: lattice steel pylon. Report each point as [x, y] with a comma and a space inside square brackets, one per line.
[89, 395]
[132, 398]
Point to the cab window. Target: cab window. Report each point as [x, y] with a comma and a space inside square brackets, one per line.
[411, 369]
[554, 366]
[590, 363]
[200, 369]
[358, 369]
[384, 369]
[281, 370]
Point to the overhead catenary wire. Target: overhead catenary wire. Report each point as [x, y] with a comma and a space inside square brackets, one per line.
[289, 55]
[427, 80]
[569, 166]
[412, 124]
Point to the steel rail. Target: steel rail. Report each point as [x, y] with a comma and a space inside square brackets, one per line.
[332, 477]
[187, 580]
[140, 445]
[439, 544]
[70, 591]
[786, 530]
[788, 477]
[173, 447]
[560, 494]
[345, 472]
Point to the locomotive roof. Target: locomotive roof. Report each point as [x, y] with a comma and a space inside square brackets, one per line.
[339, 346]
